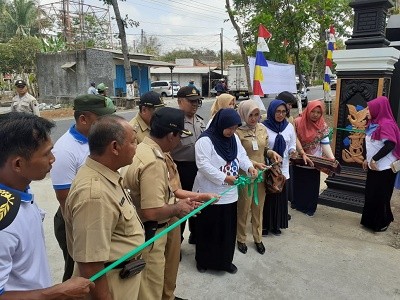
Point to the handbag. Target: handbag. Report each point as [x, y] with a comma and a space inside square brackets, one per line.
[274, 179]
[395, 166]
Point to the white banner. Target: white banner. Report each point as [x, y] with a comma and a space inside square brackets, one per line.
[277, 77]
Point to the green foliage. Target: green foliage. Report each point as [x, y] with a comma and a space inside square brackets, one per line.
[18, 17]
[53, 44]
[19, 55]
[301, 23]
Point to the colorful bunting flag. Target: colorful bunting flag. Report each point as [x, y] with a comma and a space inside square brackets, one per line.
[328, 65]
[262, 46]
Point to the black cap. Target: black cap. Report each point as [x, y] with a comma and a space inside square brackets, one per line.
[189, 93]
[170, 118]
[151, 99]
[9, 207]
[20, 83]
[96, 104]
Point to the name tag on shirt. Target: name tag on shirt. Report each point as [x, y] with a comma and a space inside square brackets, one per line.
[255, 145]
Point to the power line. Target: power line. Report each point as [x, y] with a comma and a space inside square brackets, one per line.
[200, 6]
[182, 10]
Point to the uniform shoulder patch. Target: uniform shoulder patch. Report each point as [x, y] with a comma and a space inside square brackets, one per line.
[9, 207]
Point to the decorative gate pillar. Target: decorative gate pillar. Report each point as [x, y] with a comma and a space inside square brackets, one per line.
[364, 72]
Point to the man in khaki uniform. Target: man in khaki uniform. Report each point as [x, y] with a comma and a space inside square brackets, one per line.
[23, 101]
[148, 104]
[148, 180]
[101, 222]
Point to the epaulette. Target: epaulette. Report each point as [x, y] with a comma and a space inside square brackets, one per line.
[95, 188]
[158, 153]
[9, 207]
[200, 117]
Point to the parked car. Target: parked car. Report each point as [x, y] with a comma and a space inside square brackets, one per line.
[333, 82]
[165, 88]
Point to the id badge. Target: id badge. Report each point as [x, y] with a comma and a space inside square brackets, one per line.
[255, 145]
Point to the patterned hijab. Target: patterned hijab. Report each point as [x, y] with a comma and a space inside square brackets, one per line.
[381, 114]
[226, 147]
[278, 127]
[245, 109]
[222, 101]
[308, 132]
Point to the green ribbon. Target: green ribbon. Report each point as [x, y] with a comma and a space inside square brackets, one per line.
[239, 182]
[350, 130]
[257, 180]
[242, 181]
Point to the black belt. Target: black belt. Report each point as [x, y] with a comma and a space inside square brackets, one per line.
[162, 225]
[123, 264]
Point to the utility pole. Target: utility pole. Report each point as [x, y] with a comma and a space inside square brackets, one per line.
[222, 52]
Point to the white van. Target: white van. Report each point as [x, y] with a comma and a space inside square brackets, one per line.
[165, 88]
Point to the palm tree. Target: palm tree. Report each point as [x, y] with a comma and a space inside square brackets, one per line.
[20, 17]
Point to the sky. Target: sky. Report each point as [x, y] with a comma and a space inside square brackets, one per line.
[177, 24]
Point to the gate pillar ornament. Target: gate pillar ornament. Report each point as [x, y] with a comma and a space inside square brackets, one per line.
[364, 72]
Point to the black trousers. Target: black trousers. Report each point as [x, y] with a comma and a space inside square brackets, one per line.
[187, 172]
[59, 232]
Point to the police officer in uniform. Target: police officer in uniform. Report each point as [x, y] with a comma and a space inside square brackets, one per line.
[149, 183]
[101, 221]
[189, 101]
[23, 101]
[148, 104]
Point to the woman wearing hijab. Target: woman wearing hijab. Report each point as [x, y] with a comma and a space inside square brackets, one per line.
[254, 138]
[281, 139]
[382, 143]
[222, 101]
[312, 132]
[219, 155]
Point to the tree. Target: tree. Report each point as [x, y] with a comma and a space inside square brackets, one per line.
[148, 45]
[20, 18]
[122, 23]
[296, 25]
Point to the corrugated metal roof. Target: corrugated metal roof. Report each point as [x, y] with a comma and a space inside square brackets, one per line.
[183, 70]
[149, 62]
[120, 52]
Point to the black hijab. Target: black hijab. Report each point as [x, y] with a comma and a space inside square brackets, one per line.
[226, 147]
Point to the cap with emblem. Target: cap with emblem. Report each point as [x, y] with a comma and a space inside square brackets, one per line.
[20, 83]
[170, 118]
[189, 93]
[9, 207]
[96, 104]
[151, 99]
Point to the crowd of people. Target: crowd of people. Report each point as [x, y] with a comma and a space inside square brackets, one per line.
[120, 183]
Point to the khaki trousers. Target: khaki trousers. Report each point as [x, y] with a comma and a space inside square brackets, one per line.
[172, 256]
[244, 205]
[151, 285]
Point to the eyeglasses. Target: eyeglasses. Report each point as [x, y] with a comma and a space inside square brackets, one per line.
[281, 112]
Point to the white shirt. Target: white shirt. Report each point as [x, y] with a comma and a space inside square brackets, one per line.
[213, 170]
[372, 147]
[290, 138]
[70, 151]
[23, 258]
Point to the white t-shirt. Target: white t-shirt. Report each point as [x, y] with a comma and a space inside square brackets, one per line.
[70, 151]
[290, 138]
[213, 170]
[23, 258]
[372, 147]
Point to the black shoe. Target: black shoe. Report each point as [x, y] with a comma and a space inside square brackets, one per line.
[242, 247]
[201, 269]
[276, 231]
[192, 239]
[264, 232]
[289, 217]
[232, 269]
[178, 298]
[260, 247]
